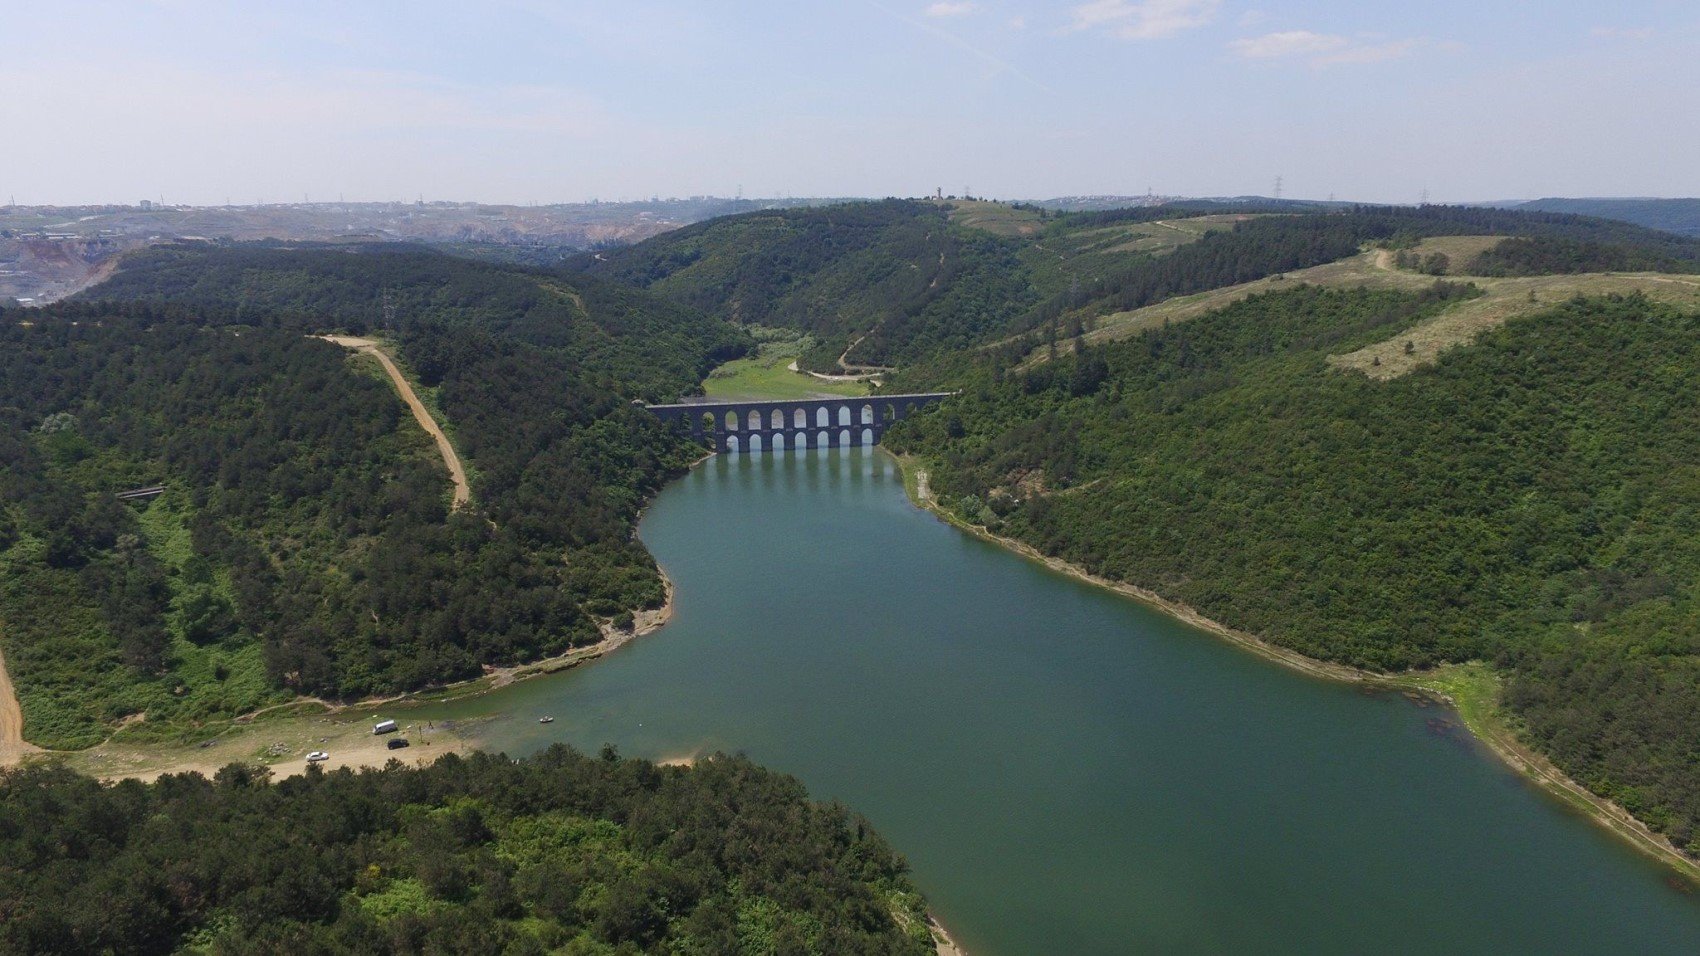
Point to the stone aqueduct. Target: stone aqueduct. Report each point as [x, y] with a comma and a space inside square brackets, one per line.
[793, 424]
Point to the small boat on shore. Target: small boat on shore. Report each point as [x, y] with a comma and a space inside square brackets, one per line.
[545, 720]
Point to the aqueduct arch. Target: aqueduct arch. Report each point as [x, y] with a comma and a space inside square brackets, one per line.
[793, 425]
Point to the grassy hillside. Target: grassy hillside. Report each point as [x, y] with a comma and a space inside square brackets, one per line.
[1377, 268]
[1529, 499]
[769, 373]
[900, 283]
[558, 853]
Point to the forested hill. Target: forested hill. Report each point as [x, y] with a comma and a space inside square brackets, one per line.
[1681, 216]
[900, 282]
[633, 342]
[1530, 500]
[304, 543]
[896, 272]
[557, 853]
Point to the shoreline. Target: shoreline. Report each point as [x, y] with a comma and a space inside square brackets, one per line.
[116, 758]
[1485, 721]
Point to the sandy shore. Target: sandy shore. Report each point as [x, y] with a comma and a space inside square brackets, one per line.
[943, 942]
[1489, 728]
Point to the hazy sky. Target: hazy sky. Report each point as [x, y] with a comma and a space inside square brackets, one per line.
[534, 100]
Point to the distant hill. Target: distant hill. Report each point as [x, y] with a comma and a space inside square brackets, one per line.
[1102, 203]
[51, 252]
[897, 282]
[1681, 216]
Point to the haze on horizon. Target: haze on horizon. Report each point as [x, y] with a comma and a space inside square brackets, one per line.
[201, 102]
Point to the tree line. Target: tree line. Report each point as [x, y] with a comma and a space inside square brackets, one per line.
[557, 853]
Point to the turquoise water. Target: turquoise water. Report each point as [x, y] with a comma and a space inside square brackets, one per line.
[1068, 771]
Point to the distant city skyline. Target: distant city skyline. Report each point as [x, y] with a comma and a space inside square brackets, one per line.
[527, 101]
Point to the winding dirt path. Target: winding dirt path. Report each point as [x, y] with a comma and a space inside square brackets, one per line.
[12, 745]
[457, 473]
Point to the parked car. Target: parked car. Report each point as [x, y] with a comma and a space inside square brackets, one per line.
[396, 743]
[318, 756]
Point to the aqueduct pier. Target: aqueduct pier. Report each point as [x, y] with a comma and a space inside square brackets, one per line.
[794, 424]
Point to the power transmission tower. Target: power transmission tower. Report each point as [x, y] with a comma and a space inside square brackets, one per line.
[1423, 197]
[1277, 187]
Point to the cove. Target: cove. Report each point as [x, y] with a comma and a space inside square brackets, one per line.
[1066, 770]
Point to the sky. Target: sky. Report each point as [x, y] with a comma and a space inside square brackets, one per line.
[521, 101]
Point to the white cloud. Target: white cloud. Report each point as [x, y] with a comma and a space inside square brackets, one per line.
[1287, 43]
[1145, 19]
[1369, 53]
[1018, 23]
[1624, 33]
[961, 8]
[1321, 49]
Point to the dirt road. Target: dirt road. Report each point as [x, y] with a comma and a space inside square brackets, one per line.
[463, 491]
[12, 746]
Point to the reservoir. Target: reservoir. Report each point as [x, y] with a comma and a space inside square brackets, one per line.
[1066, 770]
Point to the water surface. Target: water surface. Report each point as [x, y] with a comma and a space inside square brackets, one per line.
[1068, 771]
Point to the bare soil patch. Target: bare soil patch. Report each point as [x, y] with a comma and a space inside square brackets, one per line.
[1504, 299]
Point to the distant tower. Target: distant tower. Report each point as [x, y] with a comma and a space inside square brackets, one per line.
[938, 192]
[1422, 199]
[1277, 187]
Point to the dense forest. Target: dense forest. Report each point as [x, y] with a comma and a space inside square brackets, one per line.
[304, 543]
[1549, 255]
[1531, 500]
[557, 853]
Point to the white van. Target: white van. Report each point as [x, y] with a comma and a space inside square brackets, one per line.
[385, 727]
